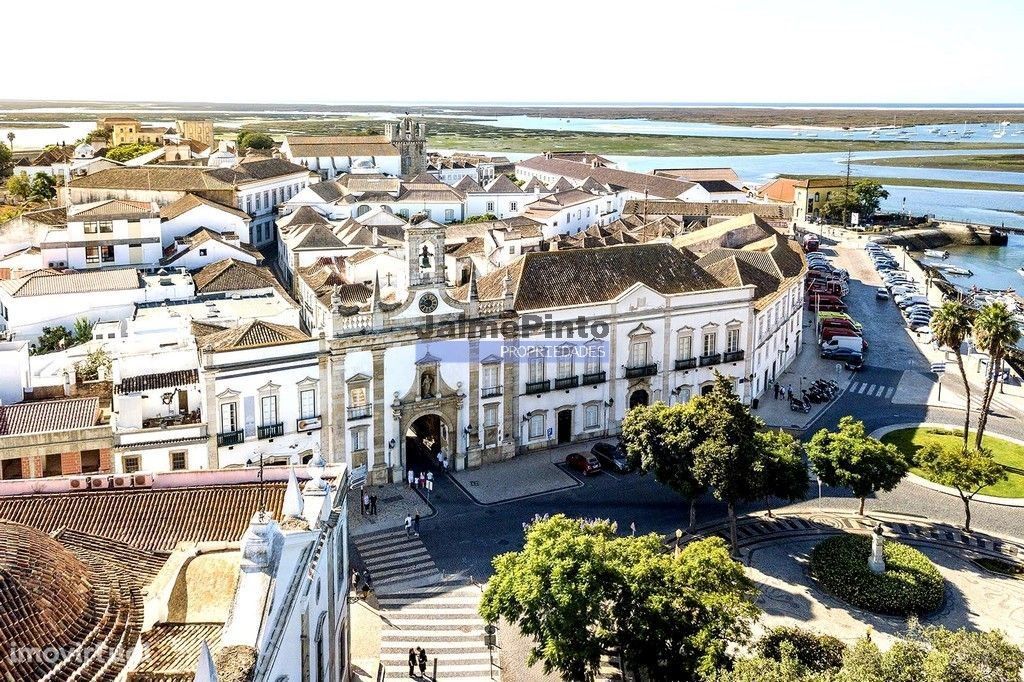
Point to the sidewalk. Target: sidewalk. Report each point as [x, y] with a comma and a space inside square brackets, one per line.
[805, 368]
[394, 502]
[522, 476]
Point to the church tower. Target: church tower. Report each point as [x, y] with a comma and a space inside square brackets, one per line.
[411, 139]
[424, 244]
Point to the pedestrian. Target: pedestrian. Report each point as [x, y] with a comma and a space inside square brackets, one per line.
[373, 505]
[408, 525]
[423, 479]
[412, 663]
[416, 524]
[446, 462]
[776, 390]
[354, 585]
[411, 477]
[366, 502]
[440, 458]
[790, 389]
[430, 479]
[423, 662]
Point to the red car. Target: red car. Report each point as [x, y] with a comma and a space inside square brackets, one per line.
[829, 332]
[584, 463]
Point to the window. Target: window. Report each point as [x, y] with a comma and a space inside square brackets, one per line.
[426, 212]
[536, 426]
[564, 367]
[266, 199]
[268, 410]
[92, 254]
[131, 463]
[91, 228]
[592, 364]
[358, 439]
[258, 202]
[248, 204]
[638, 353]
[107, 254]
[536, 369]
[490, 207]
[179, 460]
[307, 403]
[404, 212]
[592, 416]
[449, 215]
[732, 341]
[710, 343]
[202, 252]
[513, 206]
[490, 376]
[106, 227]
[228, 417]
[588, 211]
[685, 348]
[491, 415]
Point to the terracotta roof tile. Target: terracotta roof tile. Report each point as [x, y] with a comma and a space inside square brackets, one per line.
[191, 201]
[253, 335]
[48, 282]
[148, 382]
[307, 146]
[655, 186]
[232, 275]
[48, 416]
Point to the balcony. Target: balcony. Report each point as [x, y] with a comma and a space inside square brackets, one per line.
[270, 431]
[641, 371]
[538, 386]
[490, 392]
[732, 356]
[594, 378]
[567, 382]
[708, 360]
[360, 412]
[230, 438]
[686, 363]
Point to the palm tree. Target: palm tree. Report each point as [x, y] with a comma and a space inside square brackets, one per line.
[995, 330]
[951, 326]
[10, 138]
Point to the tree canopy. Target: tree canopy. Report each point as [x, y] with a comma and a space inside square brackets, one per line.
[863, 197]
[578, 589]
[6, 159]
[254, 140]
[127, 152]
[849, 458]
[966, 469]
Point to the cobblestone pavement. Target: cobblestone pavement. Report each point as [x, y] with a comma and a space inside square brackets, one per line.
[394, 502]
[777, 550]
[532, 474]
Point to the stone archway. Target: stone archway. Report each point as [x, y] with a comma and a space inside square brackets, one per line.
[639, 397]
[424, 434]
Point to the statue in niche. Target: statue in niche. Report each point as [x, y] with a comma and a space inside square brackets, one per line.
[425, 257]
[427, 385]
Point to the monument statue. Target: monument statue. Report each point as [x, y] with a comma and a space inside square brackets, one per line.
[425, 257]
[427, 385]
[876, 562]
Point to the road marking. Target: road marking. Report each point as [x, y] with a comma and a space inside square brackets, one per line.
[888, 393]
[863, 387]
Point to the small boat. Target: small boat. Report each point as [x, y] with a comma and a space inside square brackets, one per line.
[935, 253]
[1020, 271]
[954, 270]
[935, 131]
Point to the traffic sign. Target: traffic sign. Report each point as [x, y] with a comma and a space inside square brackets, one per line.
[939, 367]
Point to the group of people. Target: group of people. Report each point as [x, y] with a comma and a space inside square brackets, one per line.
[418, 658]
[420, 480]
[366, 586]
[412, 525]
[784, 392]
[369, 503]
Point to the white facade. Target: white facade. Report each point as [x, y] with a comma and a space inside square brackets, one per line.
[260, 200]
[498, 204]
[15, 372]
[208, 216]
[100, 243]
[778, 337]
[578, 215]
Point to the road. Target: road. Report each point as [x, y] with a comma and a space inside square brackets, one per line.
[463, 536]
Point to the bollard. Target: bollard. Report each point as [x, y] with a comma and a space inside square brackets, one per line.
[434, 676]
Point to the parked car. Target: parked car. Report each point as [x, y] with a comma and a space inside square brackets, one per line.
[854, 363]
[612, 456]
[881, 294]
[841, 354]
[584, 463]
[829, 333]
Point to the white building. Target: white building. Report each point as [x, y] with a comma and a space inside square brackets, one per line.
[185, 215]
[501, 197]
[203, 247]
[572, 210]
[112, 233]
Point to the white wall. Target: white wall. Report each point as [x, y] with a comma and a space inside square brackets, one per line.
[503, 205]
[215, 251]
[15, 373]
[204, 216]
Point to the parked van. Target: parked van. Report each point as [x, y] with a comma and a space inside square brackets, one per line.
[907, 300]
[830, 332]
[854, 343]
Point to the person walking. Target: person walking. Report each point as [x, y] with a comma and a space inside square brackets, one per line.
[373, 505]
[789, 391]
[366, 503]
[412, 478]
[416, 524]
[776, 390]
[408, 525]
[423, 479]
[412, 663]
[423, 662]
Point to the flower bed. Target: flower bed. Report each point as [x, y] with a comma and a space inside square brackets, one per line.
[910, 585]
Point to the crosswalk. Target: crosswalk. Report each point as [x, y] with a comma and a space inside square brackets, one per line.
[396, 560]
[443, 619]
[871, 390]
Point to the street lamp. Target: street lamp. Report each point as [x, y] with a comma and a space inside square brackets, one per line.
[679, 537]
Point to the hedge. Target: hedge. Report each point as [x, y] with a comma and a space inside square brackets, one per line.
[910, 585]
[818, 653]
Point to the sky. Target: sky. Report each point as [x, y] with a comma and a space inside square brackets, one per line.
[302, 51]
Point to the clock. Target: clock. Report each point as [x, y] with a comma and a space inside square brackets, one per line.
[428, 303]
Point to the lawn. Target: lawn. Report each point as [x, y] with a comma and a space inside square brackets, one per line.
[1006, 453]
[990, 162]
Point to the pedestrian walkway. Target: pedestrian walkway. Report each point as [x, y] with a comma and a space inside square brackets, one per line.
[394, 503]
[396, 560]
[443, 619]
[871, 390]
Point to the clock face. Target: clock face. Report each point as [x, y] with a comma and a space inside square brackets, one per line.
[428, 303]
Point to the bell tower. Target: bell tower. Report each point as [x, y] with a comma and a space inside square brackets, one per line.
[411, 140]
[424, 252]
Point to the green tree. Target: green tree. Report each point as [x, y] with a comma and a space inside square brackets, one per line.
[96, 365]
[43, 187]
[785, 668]
[951, 326]
[781, 471]
[480, 218]
[127, 152]
[721, 435]
[820, 653]
[869, 196]
[20, 186]
[6, 159]
[863, 197]
[52, 339]
[254, 140]
[850, 458]
[578, 589]
[965, 656]
[995, 330]
[657, 440]
[966, 469]
[82, 330]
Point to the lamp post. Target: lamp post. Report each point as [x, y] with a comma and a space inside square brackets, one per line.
[679, 537]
